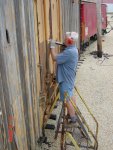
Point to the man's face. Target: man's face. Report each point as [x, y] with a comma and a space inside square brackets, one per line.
[66, 41]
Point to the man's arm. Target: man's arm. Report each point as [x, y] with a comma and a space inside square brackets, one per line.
[53, 54]
[61, 57]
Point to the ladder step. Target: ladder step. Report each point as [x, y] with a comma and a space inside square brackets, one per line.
[71, 125]
[53, 117]
[55, 106]
[50, 126]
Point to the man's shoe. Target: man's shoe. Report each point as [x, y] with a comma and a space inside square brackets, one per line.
[71, 124]
[68, 116]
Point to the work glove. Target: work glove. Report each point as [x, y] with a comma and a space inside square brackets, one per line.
[52, 43]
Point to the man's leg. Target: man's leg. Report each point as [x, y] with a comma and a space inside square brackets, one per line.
[63, 87]
[73, 99]
[70, 108]
[71, 111]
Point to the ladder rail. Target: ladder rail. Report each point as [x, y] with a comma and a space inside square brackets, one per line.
[88, 109]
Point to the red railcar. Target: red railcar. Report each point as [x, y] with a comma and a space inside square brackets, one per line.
[104, 17]
[89, 20]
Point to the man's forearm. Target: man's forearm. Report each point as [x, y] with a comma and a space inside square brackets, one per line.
[53, 54]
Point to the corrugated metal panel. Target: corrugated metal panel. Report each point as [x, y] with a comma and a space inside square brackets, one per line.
[104, 16]
[93, 1]
[107, 1]
[89, 23]
[70, 15]
[103, 1]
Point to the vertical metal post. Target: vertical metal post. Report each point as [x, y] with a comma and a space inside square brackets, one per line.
[80, 27]
[99, 28]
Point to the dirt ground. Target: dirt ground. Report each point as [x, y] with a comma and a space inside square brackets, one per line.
[95, 83]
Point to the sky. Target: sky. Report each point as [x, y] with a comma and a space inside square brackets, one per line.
[110, 7]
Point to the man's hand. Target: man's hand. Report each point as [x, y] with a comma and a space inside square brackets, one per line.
[52, 43]
[52, 47]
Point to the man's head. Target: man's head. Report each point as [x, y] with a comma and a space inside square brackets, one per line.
[70, 38]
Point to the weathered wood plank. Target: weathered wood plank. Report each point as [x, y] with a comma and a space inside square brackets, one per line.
[2, 102]
[3, 119]
[12, 80]
[41, 52]
[41, 43]
[22, 30]
[39, 110]
[33, 71]
[4, 95]
[27, 68]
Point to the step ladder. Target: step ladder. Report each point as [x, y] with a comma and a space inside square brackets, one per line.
[78, 135]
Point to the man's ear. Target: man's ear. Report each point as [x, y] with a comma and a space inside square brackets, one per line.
[70, 41]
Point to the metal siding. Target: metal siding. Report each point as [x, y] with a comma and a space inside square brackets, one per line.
[92, 1]
[70, 17]
[103, 1]
[104, 17]
[90, 22]
[107, 1]
[82, 20]
[90, 28]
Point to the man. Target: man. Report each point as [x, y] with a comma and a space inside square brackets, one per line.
[66, 69]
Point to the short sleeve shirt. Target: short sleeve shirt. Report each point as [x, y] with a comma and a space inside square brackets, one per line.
[66, 65]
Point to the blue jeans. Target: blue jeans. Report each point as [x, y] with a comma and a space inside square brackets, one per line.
[65, 87]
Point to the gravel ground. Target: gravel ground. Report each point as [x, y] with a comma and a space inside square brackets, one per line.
[95, 83]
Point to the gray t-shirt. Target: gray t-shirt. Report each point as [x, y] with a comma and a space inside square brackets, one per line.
[66, 65]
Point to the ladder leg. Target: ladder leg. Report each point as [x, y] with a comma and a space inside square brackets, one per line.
[59, 123]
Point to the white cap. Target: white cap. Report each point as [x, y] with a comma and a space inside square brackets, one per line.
[73, 35]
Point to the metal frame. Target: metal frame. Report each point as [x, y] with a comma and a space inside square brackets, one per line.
[83, 127]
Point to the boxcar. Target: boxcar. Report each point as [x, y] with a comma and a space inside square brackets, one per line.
[89, 21]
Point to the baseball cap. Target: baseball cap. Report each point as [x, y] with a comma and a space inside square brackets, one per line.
[73, 35]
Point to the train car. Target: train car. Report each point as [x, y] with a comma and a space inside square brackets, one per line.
[104, 18]
[89, 21]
